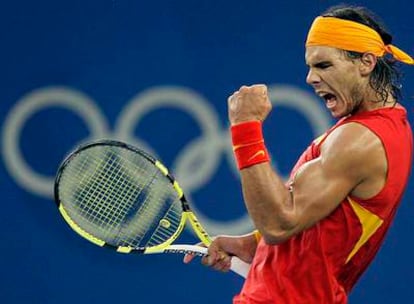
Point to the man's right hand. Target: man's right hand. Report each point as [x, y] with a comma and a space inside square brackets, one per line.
[224, 247]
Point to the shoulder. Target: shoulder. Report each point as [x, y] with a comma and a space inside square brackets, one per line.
[351, 136]
[354, 148]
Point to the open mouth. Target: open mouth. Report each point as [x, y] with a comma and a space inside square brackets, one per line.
[330, 99]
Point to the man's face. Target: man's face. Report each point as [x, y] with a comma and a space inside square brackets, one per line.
[336, 79]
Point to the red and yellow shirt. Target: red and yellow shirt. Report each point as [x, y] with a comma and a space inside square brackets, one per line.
[322, 264]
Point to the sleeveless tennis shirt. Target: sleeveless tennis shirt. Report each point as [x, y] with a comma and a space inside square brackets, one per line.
[321, 264]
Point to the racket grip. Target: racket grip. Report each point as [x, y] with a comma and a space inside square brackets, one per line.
[237, 265]
[240, 267]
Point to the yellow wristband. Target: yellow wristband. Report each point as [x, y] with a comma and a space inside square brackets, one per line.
[257, 235]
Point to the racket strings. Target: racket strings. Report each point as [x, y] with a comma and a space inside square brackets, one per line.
[169, 224]
[160, 214]
[109, 195]
[121, 197]
[100, 186]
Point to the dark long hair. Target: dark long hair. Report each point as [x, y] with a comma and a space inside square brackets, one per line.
[386, 76]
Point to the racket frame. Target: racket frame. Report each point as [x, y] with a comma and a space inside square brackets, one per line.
[187, 215]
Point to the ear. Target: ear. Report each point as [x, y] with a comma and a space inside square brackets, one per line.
[368, 62]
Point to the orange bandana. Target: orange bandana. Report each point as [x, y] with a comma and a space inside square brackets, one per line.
[351, 36]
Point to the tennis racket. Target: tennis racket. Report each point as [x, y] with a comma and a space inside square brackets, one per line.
[120, 197]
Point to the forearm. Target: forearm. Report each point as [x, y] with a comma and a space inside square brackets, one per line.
[268, 201]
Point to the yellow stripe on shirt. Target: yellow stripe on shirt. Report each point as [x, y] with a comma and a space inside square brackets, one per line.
[370, 223]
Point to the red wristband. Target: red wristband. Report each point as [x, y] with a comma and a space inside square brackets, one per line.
[248, 144]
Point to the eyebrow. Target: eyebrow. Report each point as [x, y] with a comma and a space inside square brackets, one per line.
[320, 64]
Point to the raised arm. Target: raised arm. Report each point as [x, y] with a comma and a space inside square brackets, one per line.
[352, 161]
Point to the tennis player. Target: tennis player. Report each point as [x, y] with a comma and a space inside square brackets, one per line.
[318, 233]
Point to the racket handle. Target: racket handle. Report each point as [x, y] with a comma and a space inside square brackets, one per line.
[240, 267]
[237, 265]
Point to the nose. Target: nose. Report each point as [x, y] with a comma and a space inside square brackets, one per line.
[312, 78]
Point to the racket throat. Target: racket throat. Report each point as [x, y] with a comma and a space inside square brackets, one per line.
[198, 228]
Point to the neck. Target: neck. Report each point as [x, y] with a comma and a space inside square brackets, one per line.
[372, 101]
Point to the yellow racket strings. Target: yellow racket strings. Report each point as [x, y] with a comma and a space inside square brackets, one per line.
[120, 197]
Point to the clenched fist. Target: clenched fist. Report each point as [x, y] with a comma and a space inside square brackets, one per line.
[249, 103]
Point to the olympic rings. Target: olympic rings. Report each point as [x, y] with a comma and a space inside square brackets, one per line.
[204, 151]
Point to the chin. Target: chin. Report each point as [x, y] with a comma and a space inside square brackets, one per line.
[338, 115]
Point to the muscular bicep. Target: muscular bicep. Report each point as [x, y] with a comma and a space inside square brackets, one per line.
[317, 189]
[351, 158]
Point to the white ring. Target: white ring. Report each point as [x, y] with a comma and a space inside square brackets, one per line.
[37, 100]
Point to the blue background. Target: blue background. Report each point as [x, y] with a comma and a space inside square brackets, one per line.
[110, 51]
